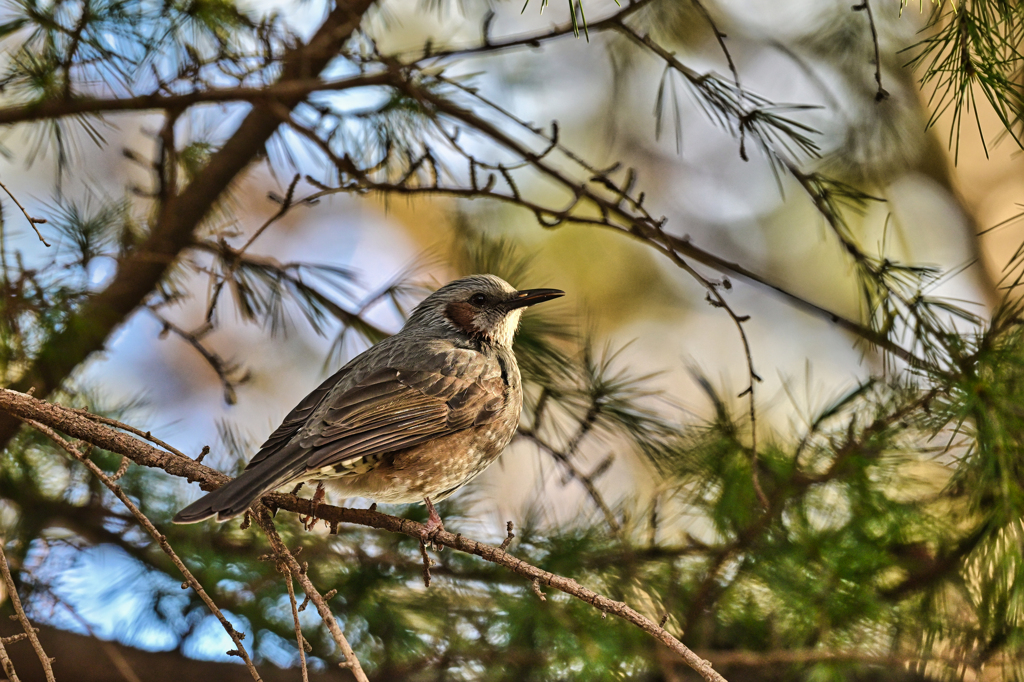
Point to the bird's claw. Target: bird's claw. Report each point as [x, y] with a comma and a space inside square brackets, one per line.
[318, 497]
[433, 526]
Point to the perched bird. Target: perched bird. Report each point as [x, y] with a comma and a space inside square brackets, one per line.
[412, 418]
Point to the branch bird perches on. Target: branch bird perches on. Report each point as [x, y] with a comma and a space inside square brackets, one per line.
[79, 425]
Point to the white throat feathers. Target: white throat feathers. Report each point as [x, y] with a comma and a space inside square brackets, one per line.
[493, 325]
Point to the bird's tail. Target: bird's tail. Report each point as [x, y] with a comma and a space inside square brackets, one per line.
[235, 496]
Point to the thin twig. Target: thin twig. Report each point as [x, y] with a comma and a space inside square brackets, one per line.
[12, 592]
[509, 537]
[236, 256]
[586, 480]
[533, 40]
[161, 539]
[157, 101]
[716, 299]
[31, 221]
[231, 374]
[5, 661]
[426, 563]
[121, 470]
[720, 37]
[15, 638]
[865, 6]
[266, 521]
[286, 204]
[148, 435]
[286, 272]
[299, 639]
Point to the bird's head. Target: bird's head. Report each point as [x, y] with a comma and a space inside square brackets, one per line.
[479, 306]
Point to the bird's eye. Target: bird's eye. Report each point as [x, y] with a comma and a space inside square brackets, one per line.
[477, 299]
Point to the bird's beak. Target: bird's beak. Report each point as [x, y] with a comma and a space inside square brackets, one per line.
[528, 297]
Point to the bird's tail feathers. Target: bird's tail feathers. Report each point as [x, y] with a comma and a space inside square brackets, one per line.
[235, 496]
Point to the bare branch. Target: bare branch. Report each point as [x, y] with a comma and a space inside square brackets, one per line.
[31, 221]
[8, 665]
[720, 37]
[535, 586]
[716, 299]
[426, 563]
[231, 375]
[586, 480]
[509, 536]
[266, 521]
[12, 592]
[286, 205]
[286, 90]
[865, 6]
[570, 28]
[299, 639]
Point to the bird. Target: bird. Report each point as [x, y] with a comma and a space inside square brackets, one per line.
[412, 418]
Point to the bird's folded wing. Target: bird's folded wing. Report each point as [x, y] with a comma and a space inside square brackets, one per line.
[393, 409]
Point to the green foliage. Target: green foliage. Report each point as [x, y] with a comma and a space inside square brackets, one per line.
[973, 45]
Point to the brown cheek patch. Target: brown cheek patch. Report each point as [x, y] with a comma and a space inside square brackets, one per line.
[461, 314]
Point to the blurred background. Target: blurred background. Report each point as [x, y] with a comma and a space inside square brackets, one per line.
[947, 179]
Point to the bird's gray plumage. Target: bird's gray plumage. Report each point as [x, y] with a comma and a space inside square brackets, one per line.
[415, 416]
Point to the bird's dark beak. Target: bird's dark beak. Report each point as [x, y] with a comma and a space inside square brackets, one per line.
[528, 297]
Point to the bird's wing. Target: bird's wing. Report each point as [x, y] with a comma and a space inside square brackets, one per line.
[394, 409]
[296, 418]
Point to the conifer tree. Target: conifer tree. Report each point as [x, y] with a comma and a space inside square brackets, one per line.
[881, 538]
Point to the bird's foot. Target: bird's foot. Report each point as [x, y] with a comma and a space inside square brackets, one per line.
[433, 525]
[318, 497]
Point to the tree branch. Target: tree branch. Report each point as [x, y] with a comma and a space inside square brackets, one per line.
[300, 641]
[586, 480]
[287, 560]
[78, 426]
[535, 40]
[643, 226]
[279, 91]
